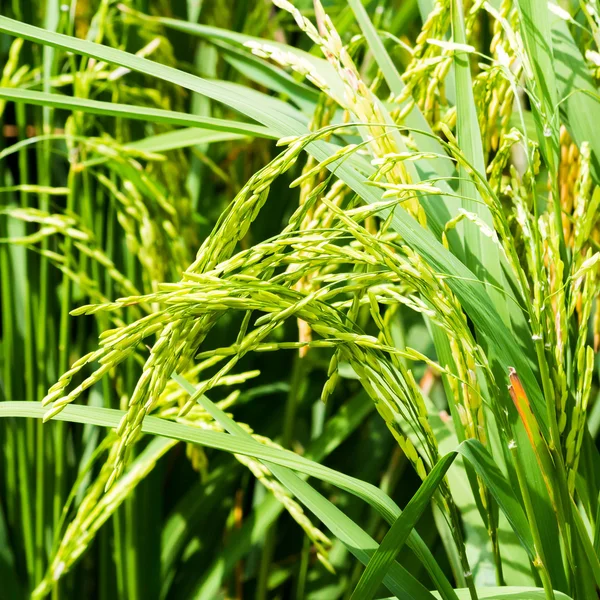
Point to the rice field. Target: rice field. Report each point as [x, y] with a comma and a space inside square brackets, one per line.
[299, 300]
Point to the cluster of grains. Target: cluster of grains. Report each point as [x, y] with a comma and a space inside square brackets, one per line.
[387, 382]
[585, 203]
[584, 369]
[494, 88]
[510, 198]
[356, 97]
[312, 178]
[583, 294]
[96, 508]
[179, 336]
[12, 74]
[149, 218]
[97, 505]
[50, 224]
[430, 64]
[568, 176]
[572, 294]
[556, 315]
[83, 239]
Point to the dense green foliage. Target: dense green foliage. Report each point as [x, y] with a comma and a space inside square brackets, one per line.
[270, 271]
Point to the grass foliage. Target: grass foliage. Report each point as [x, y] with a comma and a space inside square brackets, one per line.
[272, 270]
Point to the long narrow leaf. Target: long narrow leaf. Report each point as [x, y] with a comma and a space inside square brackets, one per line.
[141, 113]
[396, 537]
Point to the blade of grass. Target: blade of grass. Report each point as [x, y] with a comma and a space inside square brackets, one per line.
[511, 593]
[238, 40]
[23, 303]
[484, 465]
[396, 537]
[271, 77]
[143, 113]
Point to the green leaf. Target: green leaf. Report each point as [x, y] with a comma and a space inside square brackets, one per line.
[511, 593]
[396, 537]
[183, 138]
[140, 113]
[237, 40]
[270, 76]
[484, 465]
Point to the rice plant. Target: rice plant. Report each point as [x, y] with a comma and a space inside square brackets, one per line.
[300, 300]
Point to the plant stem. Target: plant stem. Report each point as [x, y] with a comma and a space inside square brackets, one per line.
[296, 391]
[8, 340]
[25, 431]
[541, 565]
[458, 536]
